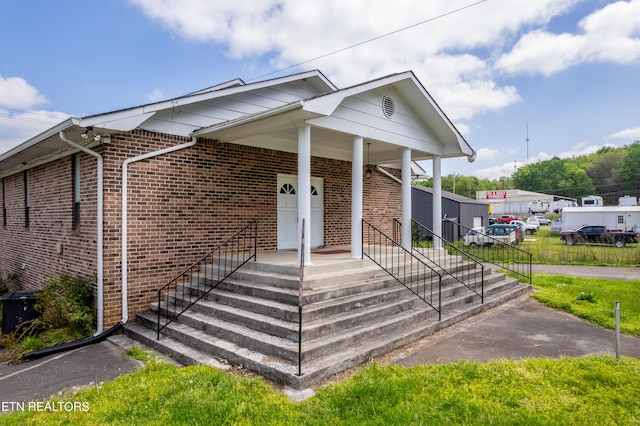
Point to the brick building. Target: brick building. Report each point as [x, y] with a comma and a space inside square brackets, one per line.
[133, 196]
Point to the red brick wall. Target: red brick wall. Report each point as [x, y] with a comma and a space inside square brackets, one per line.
[382, 200]
[180, 205]
[51, 222]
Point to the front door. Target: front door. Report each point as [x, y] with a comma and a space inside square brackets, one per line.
[288, 212]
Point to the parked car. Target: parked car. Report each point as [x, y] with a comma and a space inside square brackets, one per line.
[504, 233]
[556, 225]
[597, 234]
[477, 237]
[508, 218]
[542, 220]
[530, 226]
[519, 230]
[493, 221]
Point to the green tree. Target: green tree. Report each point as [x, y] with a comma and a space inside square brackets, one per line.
[605, 170]
[555, 176]
[630, 169]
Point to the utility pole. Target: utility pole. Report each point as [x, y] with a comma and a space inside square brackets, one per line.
[527, 143]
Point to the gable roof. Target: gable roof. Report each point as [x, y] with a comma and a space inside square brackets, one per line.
[156, 116]
[267, 114]
[337, 116]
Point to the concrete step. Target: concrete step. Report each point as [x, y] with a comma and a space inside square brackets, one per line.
[352, 311]
[314, 370]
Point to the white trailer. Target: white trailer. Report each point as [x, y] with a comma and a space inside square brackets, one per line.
[592, 201]
[628, 201]
[623, 218]
[558, 205]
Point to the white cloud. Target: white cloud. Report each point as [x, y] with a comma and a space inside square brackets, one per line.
[15, 92]
[16, 128]
[628, 134]
[487, 154]
[607, 35]
[155, 95]
[298, 31]
[17, 121]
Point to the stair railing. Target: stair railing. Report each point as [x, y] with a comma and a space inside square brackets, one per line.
[408, 269]
[497, 252]
[461, 266]
[200, 278]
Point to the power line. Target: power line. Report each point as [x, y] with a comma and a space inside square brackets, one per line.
[370, 40]
[50, 120]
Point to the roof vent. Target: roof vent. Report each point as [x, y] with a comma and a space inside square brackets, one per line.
[388, 106]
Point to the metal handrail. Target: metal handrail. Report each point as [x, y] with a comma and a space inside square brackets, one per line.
[300, 289]
[223, 260]
[456, 263]
[408, 269]
[497, 252]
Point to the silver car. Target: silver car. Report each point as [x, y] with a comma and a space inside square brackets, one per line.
[556, 225]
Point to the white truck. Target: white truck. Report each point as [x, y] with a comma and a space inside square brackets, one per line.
[538, 206]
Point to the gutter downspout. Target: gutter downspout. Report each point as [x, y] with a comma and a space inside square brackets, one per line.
[124, 238]
[100, 243]
[384, 172]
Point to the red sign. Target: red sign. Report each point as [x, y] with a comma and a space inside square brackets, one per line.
[496, 195]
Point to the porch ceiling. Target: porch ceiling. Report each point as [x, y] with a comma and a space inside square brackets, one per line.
[280, 133]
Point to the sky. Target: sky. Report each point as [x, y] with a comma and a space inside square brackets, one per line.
[522, 80]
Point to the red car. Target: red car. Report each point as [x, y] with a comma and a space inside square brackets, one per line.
[507, 218]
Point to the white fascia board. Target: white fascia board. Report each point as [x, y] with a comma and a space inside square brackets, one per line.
[368, 132]
[119, 121]
[69, 122]
[465, 148]
[327, 104]
[124, 119]
[232, 83]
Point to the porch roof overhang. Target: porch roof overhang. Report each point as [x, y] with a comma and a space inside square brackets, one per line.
[48, 145]
[334, 127]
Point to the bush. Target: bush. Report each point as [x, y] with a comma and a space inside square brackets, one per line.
[4, 283]
[66, 303]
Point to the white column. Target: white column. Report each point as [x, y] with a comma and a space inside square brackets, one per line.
[406, 198]
[437, 201]
[304, 190]
[356, 198]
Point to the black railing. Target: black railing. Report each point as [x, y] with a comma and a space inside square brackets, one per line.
[488, 249]
[300, 289]
[196, 281]
[463, 267]
[408, 269]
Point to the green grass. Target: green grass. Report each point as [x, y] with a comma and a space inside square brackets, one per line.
[592, 299]
[589, 390]
[567, 391]
[547, 248]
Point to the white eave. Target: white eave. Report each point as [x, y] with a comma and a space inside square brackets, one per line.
[47, 144]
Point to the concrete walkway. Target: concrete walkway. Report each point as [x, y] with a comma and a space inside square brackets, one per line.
[524, 328]
[63, 372]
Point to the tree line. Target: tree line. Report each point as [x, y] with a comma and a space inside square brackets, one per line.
[610, 173]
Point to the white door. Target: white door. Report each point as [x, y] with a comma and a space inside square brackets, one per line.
[288, 212]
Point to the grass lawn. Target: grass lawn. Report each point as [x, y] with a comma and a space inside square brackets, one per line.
[592, 299]
[546, 247]
[580, 391]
